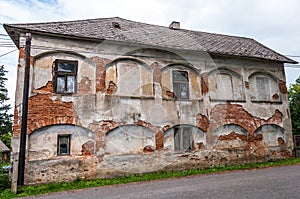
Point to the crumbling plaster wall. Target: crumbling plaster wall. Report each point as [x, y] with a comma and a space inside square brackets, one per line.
[123, 85]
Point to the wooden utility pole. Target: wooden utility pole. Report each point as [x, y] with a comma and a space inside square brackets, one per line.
[21, 165]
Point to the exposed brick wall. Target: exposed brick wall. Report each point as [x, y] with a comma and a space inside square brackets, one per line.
[43, 111]
[202, 122]
[48, 88]
[100, 72]
[22, 55]
[84, 87]
[282, 87]
[204, 83]
[223, 114]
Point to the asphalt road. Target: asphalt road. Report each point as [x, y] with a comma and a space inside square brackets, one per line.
[276, 182]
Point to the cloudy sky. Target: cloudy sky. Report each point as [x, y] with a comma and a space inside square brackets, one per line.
[275, 23]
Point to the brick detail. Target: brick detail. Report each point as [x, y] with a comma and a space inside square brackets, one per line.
[233, 136]
[84, 86]
[282, 87]
[223, 114]
[87, 148]
[204, 83]
[112, 88]
[48, 88]
[22, 55]
[156, 72]
[202, 122]
[100, 72]
[159, 140]
[42, 111]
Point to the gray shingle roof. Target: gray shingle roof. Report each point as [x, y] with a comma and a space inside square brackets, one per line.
[3, 147]
[154, 35]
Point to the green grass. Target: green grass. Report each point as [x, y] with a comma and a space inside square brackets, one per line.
[79, 184]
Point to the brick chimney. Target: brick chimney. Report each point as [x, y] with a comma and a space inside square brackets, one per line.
[175, 25]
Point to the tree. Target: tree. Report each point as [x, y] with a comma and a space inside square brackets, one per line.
[294, 98]
[5, 117]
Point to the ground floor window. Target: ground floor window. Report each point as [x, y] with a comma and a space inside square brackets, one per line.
[63, 145]
[183, 139]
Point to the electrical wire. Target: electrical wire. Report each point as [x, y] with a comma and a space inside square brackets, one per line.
[8, 52]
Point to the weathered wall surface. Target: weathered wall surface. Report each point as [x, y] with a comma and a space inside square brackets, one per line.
[125, 118]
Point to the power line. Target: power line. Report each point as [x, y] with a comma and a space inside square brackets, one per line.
[8, 52]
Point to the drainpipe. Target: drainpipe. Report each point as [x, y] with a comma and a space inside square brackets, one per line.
[21, 166]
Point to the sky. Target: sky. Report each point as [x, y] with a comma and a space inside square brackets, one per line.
[274, 23]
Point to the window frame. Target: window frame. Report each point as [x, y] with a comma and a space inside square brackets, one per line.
[179, 131]
[178, 82]
[68, 136]
[266, 92]
[58, 74]
[224, 97]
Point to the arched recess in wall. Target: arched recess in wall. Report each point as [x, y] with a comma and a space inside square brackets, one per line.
[129, 77]
[272, 135]
[129, 139]
[44, 70]
[181, 81]
[229, 136]
[225, 84]
[184, 138]
[263, 87]
[60, 139]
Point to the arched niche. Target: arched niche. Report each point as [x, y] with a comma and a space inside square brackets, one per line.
[43, 143]
[129, 139]
[272, 135]
[44, 69]
[130, 77]
[229, 136]
[184, 138]
[225, 84]
[263, 87]
[181, 81]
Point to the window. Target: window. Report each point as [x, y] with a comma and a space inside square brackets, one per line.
[183, 139]
[262, 88]
[65, 76]
[181, 84]
[224, 86]
[63, 145]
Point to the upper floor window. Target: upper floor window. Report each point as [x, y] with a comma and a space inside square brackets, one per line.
[63, 145]
[224, 86]
[262, 88]
[65, 76]
[181, 84]
[183, 139]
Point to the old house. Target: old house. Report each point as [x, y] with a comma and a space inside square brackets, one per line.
[4, 150]
[110, 97]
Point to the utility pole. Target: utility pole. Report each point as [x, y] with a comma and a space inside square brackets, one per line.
[21, 166]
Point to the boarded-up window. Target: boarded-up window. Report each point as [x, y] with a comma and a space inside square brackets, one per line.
[224, 86]
[262, 88]
[183, 139]
[181, 84]
[63, 145]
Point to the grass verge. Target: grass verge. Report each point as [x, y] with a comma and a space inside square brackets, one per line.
[79, 184]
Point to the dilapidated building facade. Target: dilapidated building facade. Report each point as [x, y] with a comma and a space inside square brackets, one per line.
[111, 97]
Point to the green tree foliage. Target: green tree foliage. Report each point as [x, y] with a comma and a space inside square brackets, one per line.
[5, 117]
[294, 98]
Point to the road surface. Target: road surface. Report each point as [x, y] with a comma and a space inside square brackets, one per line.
[276, 182]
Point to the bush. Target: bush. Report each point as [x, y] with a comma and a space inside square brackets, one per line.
[4, 182]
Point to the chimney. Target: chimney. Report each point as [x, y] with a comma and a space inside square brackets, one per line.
[175, 25]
